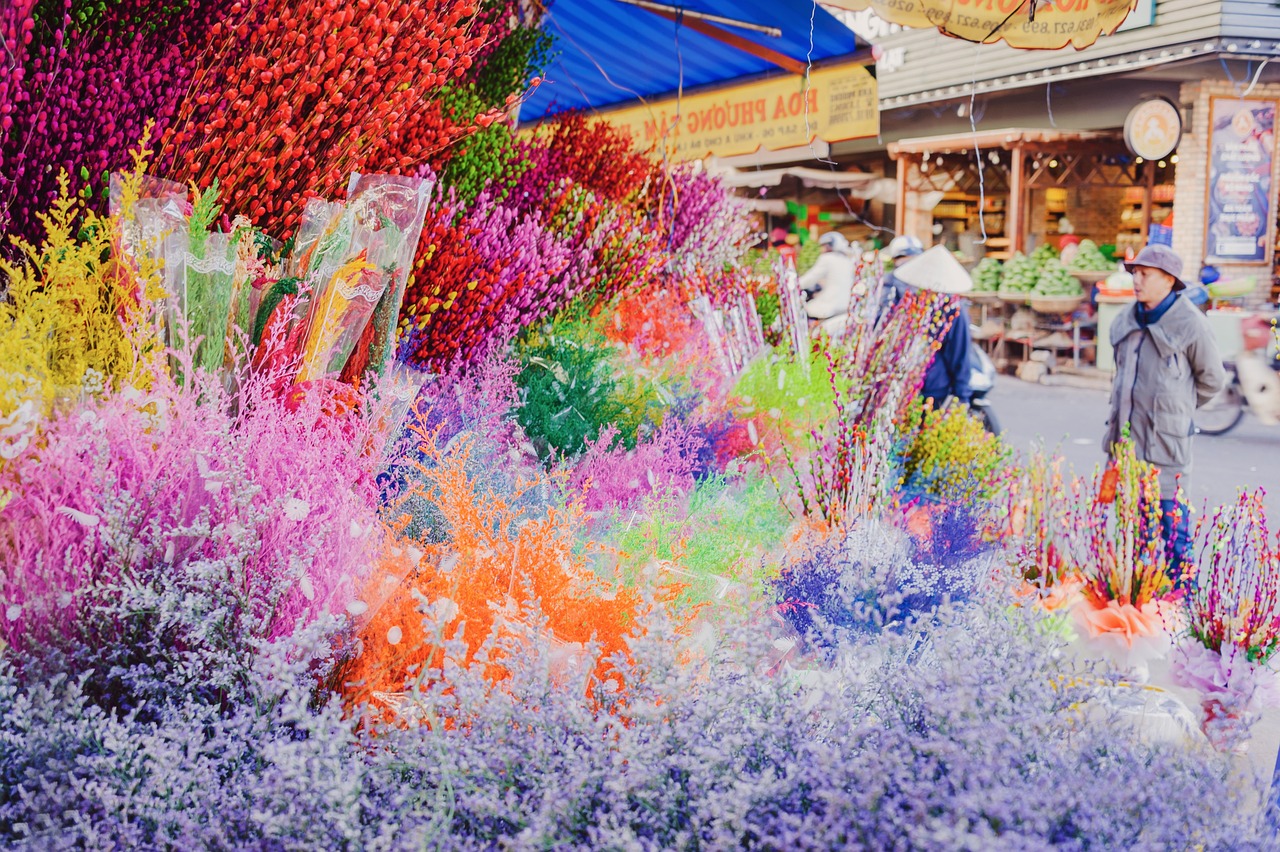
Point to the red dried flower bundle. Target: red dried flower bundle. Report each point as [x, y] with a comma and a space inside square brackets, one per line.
[294, 97]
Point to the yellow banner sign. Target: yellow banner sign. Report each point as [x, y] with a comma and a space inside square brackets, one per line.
[1055, 24]
[837, 104]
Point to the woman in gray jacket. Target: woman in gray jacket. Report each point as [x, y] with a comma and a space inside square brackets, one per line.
[1167, 366]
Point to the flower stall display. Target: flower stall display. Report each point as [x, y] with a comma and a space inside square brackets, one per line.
[1233, 624]
[375, 476]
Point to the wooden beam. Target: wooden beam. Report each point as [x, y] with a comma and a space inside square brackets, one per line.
[1017, 201]
[746, 45]
[900, 209]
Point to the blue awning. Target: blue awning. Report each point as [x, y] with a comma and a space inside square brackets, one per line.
[611, 53]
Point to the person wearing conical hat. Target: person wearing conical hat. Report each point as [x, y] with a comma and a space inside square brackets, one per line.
[939, 271]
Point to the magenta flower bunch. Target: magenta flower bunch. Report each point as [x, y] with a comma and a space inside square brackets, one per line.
[269, 515]
[610, 476]
[77, 94]
[708, 227]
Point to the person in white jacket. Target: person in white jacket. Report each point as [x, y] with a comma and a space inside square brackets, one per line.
[830, 282]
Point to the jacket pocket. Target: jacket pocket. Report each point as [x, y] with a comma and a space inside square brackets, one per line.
[1170, 445]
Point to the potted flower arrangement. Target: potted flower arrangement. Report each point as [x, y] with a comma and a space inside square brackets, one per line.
[1233, 628]
[1125, 609]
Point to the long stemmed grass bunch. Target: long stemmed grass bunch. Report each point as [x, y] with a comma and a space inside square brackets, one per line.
[1040, 517]
[1116, 541]
[1233, 621]
[876, 371]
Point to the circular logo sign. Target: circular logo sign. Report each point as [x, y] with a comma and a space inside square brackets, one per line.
[1153, 129]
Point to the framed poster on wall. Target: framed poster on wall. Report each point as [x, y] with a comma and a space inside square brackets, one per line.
[1239, 210]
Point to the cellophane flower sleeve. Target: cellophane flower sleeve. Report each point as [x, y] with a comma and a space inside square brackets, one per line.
[339, 315]
[400, 387]
[173, 255]
[389, 212]
[161, 207]
[319, 217]
[257, 268]
[210, 272]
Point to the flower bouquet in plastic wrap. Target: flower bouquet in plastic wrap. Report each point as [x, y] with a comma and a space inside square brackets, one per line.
[325, 313]
[357, 270]
[1233, 626]
[1126, 607]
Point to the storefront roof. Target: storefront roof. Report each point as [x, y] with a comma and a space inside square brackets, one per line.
[611, 52]
[1006, 138]
[821, 178]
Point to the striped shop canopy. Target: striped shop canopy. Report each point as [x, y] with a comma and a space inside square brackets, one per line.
[613, 52]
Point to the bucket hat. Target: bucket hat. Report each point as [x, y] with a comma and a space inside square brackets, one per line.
[1160, 257]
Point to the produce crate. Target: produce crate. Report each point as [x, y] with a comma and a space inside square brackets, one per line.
[985, 296]
[1015, 298]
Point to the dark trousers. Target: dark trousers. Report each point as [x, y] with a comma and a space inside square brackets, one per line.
[1175, 529]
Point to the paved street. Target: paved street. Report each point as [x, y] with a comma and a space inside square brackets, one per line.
[1072, 418]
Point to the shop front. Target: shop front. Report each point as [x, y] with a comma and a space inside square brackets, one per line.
[1001, 192]
[1200, 77]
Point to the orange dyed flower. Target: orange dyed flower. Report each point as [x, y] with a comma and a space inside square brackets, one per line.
[1123, 621]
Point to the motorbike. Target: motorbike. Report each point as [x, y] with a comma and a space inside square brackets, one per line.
[982, 380]
[1253, 382]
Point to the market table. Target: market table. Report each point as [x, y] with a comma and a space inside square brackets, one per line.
[1109, 307]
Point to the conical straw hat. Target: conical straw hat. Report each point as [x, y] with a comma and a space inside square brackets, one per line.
[937, 270]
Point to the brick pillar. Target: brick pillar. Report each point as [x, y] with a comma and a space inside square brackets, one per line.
[1190, 178]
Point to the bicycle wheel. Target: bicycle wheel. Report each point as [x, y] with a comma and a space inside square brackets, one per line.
[1222, 413]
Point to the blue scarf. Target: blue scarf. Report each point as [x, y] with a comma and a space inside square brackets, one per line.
[1150, 316]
